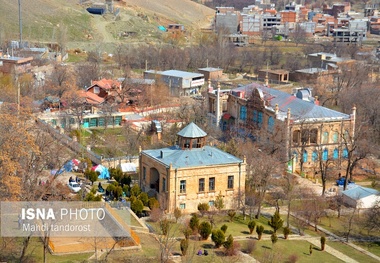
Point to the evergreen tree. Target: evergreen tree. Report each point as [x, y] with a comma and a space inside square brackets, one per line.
[276, 222]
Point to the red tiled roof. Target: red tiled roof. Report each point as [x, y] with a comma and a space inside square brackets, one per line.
[106, 84]
[90, 97]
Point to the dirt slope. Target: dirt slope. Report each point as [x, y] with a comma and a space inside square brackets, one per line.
[45, 20]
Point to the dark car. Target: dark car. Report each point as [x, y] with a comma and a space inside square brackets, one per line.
[341, 180]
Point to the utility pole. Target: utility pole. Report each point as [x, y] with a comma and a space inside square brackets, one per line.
[20, 21]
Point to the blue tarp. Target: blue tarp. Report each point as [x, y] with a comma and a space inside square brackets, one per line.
[104, 173]
[162, 28]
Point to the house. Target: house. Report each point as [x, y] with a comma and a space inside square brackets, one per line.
[361, 197]
[180, 83]
[184, 175]
[15, 65]
[276, 75]
[306, 131]
[104, 88]
[211, 73]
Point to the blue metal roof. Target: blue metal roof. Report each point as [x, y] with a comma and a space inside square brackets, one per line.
[300, 109]
[205, 156]
[192, 131]
[360, 192]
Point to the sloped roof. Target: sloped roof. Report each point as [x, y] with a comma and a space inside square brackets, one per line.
[360, 192]
[300, 110]
[192, 131]
[106, 84]
[205, 156]
[90, 97]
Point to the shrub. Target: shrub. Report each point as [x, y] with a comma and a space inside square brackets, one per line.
[224, 228]
[137, 206]
[250, 246]
[203, 208]
[323, 243]
[293, 258]
[144, 198]
[135, 190]
[177, 214]
[231, 214]
[194, 223]
[231, 247]
[276, 221]
[218, 237]
[184, 245]
[91, 175]
[187, 232]
[164, 225]
[205, 230]
[219, 203]
[251, 226]
[229, 242]
[259, 231]
[153, 203]
[286, 232]
[273, 238]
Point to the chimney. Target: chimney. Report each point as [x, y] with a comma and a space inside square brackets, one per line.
[161, 154]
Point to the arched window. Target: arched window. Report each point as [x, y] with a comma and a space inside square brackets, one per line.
[335, 137]
[336, 154]
[304, 156]
[296, 136]
[243, 113]
[325, 137]
[345, 153]
[314, 156]
[313, 135]
[325, 154]
[270, 124]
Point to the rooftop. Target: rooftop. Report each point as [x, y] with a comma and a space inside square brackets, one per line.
[178, 158]
[301, 110]
[192, 131]
[360, 192]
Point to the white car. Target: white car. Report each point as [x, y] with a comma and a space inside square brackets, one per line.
[74, 187]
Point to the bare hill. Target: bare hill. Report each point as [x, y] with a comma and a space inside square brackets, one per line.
[54, 20]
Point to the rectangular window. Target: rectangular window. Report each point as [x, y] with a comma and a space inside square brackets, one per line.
[163, 184]
[230, 183]
[182, 186]
[260, 118]
[211, 203]
[182, 206]
[201, 185]
[144, 173]
[270, 124]
[211, 184]
[255, 116]
[243, 113]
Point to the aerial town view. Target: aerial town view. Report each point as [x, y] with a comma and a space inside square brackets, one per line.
[189, 131]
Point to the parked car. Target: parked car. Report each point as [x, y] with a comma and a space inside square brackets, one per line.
[341, 180]
[74, 187]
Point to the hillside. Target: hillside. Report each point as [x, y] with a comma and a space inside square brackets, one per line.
[56, 21]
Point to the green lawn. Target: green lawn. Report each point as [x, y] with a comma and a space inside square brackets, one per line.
[283, 249]
[34, 252]
[352, 253]
[373, 247]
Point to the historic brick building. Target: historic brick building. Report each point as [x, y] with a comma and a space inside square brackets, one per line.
[191, 173]
[306, 131]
